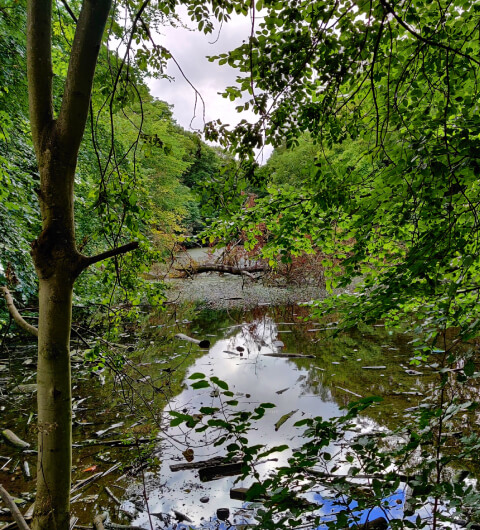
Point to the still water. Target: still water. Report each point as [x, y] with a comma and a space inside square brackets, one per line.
[371, 361]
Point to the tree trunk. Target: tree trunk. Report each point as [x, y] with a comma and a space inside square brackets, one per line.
[57, 263]
[52, 504]
[55, 255]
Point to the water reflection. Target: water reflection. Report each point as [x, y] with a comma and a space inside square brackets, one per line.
[298, 387]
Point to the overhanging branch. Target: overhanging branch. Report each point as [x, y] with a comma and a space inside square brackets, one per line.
[389, 9]
[17, 317]
[69, 10]
[86, 261]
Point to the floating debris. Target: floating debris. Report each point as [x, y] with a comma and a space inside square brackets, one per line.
[14, 440]
[284, 418]
[205, 343]
[25, 389]
[348, 391]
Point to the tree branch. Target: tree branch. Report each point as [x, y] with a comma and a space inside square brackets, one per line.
[17, 317]
[69, 10]
[86, 261]
[81, 70]
[13, 509]
[389, 9]
[39, 67]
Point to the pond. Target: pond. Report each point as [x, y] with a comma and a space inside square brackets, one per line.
[245, 324]
[371, 361]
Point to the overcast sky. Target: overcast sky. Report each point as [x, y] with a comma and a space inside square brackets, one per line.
[190, 49]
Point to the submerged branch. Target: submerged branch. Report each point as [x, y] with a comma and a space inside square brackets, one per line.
[17, 317]
[13, 509]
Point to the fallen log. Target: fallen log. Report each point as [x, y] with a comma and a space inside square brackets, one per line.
[229, 269]
[290, 355]
[222, 470]
[202, 343]
[211, 462]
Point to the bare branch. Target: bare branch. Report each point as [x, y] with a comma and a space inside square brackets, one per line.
[39, 67]
[17, 317]
[13, 509]
[86, 261]
[81, 69]
[69, 10]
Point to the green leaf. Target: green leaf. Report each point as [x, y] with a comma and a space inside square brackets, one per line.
[219, 382]
[197, 375]
[200, 384]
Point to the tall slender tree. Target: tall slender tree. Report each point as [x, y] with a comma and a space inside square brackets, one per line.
[57, 137]
[56, 257]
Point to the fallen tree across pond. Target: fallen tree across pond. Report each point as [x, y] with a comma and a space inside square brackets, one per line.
[212, 462]
[229, 269]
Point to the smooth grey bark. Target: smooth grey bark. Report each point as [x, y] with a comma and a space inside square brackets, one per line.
[55, 255]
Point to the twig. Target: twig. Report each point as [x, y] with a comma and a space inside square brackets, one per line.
[13, 509]
[110, 493]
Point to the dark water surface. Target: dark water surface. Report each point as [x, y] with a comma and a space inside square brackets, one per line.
[370, 361]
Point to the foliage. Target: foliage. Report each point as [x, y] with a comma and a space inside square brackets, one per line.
[131, 170]
[18, 173]
[410, 95]
[396, 82]
[379, 464]
[393, 86]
